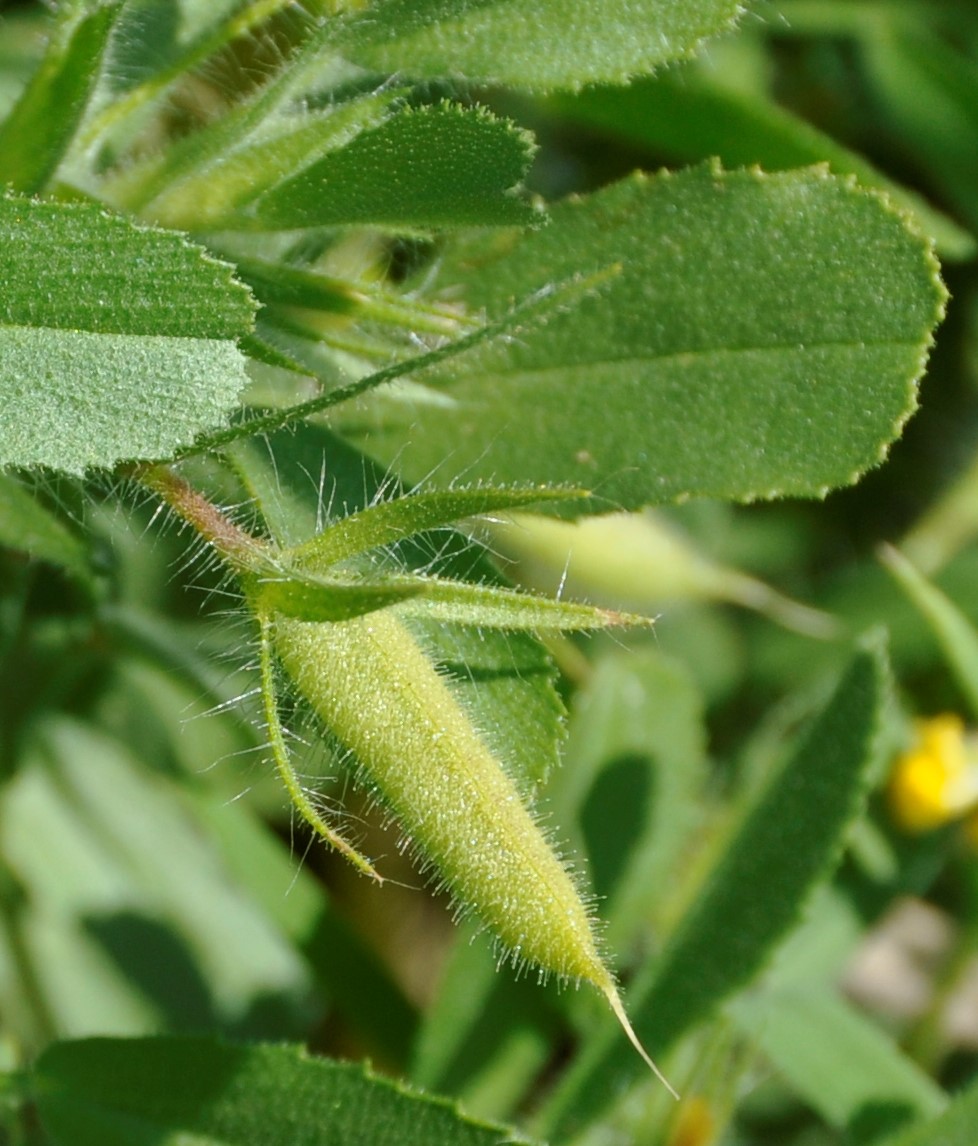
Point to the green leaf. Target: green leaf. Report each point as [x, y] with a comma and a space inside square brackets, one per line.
[116, 342]
[954, 632]
[309, 597]
[21, 50]
[313, 597]
[955, 1127]
[104, 1092]
[930, 96]
[496, 607]
[255, 858]
[199, 181]
[429, 167]
[389, 521]
[691, 117]
[261, 349]
[785, 847]
[157, 45]
[26, 525]
[549, 44]
[41, 126]
[763, 338]
[517, 320]
[299, 478]
[127, 920]
[806, 1034]
[487, 1034]
[633, 780]
[298, 286]
[295, 900]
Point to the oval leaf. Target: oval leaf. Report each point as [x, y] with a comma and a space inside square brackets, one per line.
[546, 45]
[763, 338]
[444, 166]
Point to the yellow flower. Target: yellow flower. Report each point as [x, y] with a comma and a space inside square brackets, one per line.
[937, 779]
[695, 1125]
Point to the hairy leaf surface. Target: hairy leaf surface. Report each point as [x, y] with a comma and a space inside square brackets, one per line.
[545, 45]
[116, 342]
[443, 166]
[763, 339]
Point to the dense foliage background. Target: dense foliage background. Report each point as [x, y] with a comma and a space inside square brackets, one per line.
[773, 787]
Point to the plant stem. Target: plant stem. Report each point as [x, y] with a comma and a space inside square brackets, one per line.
[238, 548]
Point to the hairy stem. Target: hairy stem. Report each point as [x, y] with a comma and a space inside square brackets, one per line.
[239, 549]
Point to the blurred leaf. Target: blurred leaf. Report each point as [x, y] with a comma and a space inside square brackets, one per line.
[930, 96]
[806, 1034]
[956, 635]
[488, 1034]
[116, 342]
[353, 978]
[26, 525]
[948, 525]
[955, 1127]
[429, 167]
[633, 779]
[21, 49]
[655, 565]
[550, 44]
[125, 917]
[167, 700]
[158, 44]
[201, 181]
[766, 343]
[39, 129]
[785, 847]
[517, 320]
[116, 1093]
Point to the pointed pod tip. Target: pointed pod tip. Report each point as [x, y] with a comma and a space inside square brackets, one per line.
[618, 1009]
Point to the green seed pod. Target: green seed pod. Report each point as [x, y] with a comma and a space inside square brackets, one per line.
[379, 694]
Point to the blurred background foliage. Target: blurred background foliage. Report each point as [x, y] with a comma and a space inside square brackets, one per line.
[152, 879]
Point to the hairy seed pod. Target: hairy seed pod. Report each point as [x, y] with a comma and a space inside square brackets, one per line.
[379, 694]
